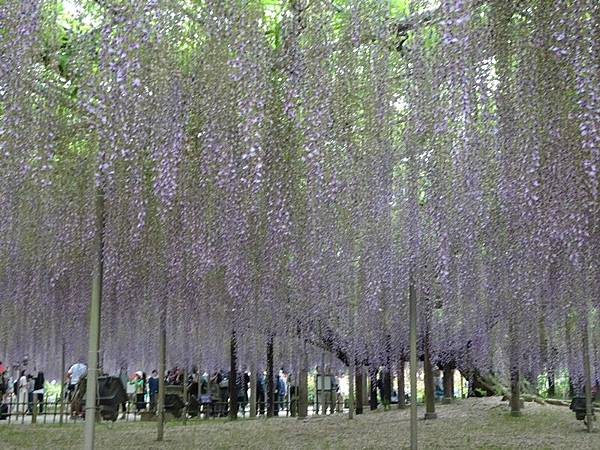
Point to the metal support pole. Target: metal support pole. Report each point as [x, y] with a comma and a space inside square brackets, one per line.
[303, 384]
[270, 380]
[62, 385]
[162, 352]
[351, 388]
[323, 401]
[94, 333]
[253, 382]
[588, 372]
[186, 400]
[413, 364]
[233, 403]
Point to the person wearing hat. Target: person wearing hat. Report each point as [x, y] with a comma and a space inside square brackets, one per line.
[140, 390]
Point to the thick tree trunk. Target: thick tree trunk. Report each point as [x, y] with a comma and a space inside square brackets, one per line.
[401, 385]
[387, 388]
[270, 379]
[233, 403]
[448, 385]
[515, 393]
[373, 388]
[428, 379]
[359, 390]
[551, 383]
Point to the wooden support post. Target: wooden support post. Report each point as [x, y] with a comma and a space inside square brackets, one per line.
[34, 412]
[94, 329]
[413, 364]
[162, 356]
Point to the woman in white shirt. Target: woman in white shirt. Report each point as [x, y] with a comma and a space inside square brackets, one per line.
[22, 394]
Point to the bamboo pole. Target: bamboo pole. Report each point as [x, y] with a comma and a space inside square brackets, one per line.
[413, 364]
[162, 351]
[94, 333]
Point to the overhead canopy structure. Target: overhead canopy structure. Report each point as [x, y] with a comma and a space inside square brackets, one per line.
[280, 168]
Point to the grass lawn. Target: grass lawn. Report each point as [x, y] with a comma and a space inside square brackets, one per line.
[471, 423]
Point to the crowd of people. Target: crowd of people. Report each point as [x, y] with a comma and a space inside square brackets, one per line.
[25, 387]
[209, 391]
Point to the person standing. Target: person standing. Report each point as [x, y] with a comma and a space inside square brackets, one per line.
[140, 390]
[74, 374]
[22, 392]
[281, 391]
[194, 388]
[30, 389]
[39, 390]
[153, 383]
[293, 395]
[124, 381]
[260, 392]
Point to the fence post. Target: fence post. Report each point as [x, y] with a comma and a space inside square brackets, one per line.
[34, 409]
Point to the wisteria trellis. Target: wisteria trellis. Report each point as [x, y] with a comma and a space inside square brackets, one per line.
[281, 166]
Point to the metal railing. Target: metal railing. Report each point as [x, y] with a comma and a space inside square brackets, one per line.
[52, 410]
